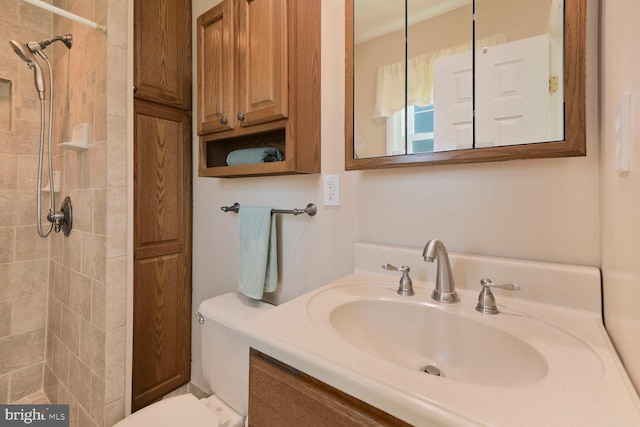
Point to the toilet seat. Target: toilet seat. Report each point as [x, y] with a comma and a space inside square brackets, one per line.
[183, 410]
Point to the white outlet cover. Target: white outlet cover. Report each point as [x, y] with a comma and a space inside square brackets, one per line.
[331, 190]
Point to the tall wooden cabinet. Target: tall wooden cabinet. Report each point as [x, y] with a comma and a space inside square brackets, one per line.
[259, 85]
[162, 199]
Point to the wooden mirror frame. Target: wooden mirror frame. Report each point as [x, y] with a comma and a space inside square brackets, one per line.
[574, 103]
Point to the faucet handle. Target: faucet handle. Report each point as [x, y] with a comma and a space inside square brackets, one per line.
[406, 284]
[486, 300]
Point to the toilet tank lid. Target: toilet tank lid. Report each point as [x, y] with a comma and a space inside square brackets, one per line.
[183, 410]
[232, 309]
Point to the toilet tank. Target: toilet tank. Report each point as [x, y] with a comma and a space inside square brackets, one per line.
[225, 359]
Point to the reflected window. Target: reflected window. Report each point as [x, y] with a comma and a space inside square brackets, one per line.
[419, 130]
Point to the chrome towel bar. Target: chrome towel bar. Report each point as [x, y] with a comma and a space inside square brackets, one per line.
[310, 210]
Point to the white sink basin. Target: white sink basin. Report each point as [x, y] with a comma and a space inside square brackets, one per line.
[464, 345]
[414, 335]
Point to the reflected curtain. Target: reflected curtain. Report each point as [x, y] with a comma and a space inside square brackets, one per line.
[390, 88]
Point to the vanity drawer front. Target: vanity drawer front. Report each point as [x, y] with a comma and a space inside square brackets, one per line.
[283, 396]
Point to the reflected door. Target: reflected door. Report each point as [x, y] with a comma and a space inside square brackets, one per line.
[453, 102]
[514, 102]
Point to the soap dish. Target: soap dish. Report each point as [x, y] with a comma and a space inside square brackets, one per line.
[80, 138]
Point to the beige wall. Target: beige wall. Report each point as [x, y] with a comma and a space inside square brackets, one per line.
[86, 272]
[620, 207]
[23, 255]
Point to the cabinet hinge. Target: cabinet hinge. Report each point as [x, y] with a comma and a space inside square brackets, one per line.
[553, 84]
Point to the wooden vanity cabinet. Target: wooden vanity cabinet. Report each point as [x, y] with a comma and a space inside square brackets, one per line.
[280, 395]
[259, 85]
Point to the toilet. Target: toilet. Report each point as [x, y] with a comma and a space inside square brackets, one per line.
[225, 365]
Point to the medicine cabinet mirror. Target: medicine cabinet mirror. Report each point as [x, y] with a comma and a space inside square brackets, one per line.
[462, 81]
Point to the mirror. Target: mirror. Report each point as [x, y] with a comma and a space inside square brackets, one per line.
[413, 103]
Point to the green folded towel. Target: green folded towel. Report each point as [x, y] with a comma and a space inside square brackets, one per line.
[250, 156]
[258, 251]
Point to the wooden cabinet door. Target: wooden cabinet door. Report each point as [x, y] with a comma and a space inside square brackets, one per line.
[280, 395]
[216, 102]
[162, 39]
[162, 244]
[262, 61]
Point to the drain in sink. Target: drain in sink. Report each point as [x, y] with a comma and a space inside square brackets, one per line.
[432, 370]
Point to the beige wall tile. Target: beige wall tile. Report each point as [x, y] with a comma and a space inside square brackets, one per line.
[80, 382]
[26, 381]
[54, 315]
[117, 151]
[23, 278]
[28, 173]
[29, 245]
[7, 244]
[72, 250]
[8, 172]
[35, 18]
[95, 166]
[6, 310]
[98, 304]
[92, 347]
[73, 166]
[56, 250]
[100, 211]
[65, 397]
[70, 330]
[97, 400]
[10, 11]
[117, 81]
[60, 362]
[61, 279]
[19, 351]
[80, 295]
[100, 111]
[29, 313]
[115, 364]
[50, 386]
[83, 210]
[116, 296]
[17, 207]
[114, 412]
[84, 419]
[117, 222]
[94, 256]
[4, 389]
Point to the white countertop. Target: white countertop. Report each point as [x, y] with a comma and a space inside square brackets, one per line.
[600, 394]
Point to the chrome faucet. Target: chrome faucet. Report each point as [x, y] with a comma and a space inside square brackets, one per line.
[445, 290]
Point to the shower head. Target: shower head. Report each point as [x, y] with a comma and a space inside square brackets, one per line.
[41, 45]
[23, 51]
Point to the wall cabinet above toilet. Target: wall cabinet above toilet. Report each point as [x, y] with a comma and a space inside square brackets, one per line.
[259, 85]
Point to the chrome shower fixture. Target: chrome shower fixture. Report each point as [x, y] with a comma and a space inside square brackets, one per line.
[59, 220]
[25, 53]
[34, 47]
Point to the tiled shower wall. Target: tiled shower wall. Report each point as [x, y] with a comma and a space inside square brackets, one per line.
[84, 301]
[24, 256]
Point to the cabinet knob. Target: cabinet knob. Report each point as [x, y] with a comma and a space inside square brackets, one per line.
[241, 116]
[223, 120]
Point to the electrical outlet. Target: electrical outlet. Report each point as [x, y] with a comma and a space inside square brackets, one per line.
[331, 190]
